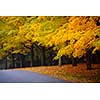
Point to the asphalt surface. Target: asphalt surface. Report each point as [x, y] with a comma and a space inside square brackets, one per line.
[20, 76]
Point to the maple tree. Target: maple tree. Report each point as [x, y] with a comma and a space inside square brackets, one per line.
[22, 34]
[73, 36]
[47, 33]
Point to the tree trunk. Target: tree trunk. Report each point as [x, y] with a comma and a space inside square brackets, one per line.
[21, 60]
[50, 59]
[32, 56]
[42, 56]
[88, 60]
[13, 62]
[59, 62]
[6, 65]
[74, 61]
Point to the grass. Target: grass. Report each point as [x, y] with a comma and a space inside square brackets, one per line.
[78, 74]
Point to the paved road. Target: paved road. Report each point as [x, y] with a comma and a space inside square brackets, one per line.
[20, 76]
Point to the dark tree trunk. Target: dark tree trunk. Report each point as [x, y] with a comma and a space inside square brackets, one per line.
[74, 61]
[32, 56]
[50, 59]
[59, 61]
[43, 56]
[13, 61]
[6, 65]
[21, 60]
[16, 60]
[88, 60]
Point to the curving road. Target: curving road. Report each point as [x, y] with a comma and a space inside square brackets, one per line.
[20, 76]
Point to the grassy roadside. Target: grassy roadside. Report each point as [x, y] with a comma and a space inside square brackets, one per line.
[68, 72]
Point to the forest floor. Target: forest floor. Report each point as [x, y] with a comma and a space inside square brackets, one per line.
[77, 74]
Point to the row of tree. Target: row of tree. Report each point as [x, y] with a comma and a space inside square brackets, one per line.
[71, 36]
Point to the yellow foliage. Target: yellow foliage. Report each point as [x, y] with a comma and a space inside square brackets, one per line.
[71, 35]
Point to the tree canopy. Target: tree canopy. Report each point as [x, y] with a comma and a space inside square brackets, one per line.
[68, 35]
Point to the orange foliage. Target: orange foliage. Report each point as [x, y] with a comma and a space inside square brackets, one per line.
[68, 72]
